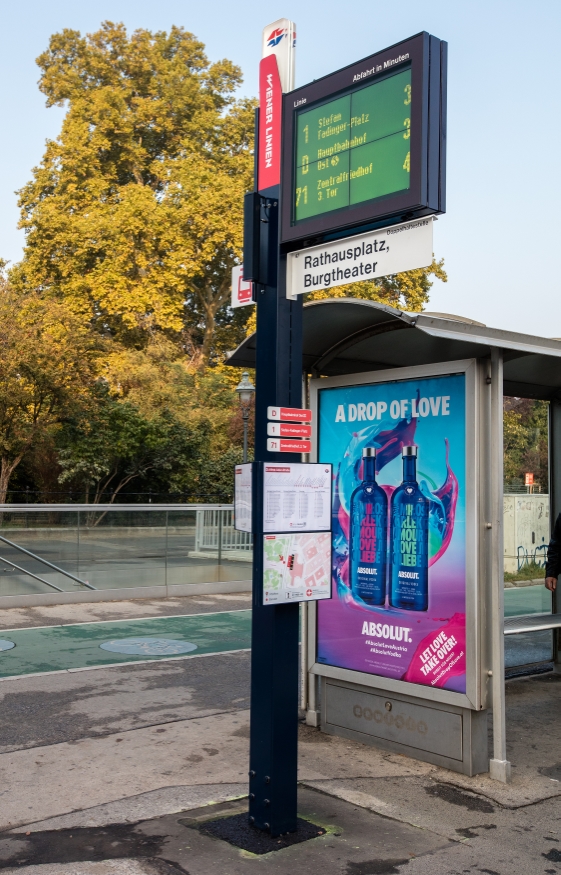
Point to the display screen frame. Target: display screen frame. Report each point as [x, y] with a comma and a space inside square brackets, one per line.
[426, 56]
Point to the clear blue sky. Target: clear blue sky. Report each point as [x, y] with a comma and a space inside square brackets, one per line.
[500, 235]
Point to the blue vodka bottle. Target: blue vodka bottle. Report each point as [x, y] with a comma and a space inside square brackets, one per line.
[409, 540]
[369, 535]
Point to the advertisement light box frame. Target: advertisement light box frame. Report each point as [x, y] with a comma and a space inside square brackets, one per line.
[475, 695]
[426, 57]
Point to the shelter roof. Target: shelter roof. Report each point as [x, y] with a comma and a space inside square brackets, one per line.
[349, 335]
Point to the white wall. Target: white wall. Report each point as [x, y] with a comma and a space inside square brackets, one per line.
[526, 529]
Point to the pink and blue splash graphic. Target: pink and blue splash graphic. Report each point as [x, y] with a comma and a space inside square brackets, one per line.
[423, 647]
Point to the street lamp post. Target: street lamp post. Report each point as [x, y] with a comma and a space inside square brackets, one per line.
[245, 390]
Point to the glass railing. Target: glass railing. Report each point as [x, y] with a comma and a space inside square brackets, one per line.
[68, 548]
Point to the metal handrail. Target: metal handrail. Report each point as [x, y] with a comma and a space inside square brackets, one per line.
[49, 564]
[30, 573]
[531, 623]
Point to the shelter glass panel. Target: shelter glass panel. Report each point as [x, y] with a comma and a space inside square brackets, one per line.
[527, 525]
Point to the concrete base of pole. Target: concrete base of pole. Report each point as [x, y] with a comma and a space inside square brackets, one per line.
[312, 718]
[500, 770]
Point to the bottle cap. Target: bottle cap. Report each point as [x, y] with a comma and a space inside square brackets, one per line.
[369, 453]
[409, 451]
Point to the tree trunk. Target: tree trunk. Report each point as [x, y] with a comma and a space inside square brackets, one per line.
[123, 483]
[7, 468]
[212, 305]
[208, 338]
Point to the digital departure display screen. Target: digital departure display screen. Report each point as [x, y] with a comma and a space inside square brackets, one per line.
[354, 148]
[365, 145]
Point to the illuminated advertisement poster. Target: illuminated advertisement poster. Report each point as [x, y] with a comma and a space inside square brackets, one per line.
[398, 451]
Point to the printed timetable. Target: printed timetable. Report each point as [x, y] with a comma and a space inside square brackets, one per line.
[296, 497]
[354, 148]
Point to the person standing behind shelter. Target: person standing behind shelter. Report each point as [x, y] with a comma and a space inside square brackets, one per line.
[553, 564]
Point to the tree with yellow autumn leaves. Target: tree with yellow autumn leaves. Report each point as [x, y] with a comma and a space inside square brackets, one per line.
[133, 217]
[133, 221]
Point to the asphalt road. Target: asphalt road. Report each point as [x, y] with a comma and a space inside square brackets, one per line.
[422, 825]
[112, 771]
[46, 710]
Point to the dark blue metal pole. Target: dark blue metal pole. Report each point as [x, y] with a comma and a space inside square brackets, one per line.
[275, 628]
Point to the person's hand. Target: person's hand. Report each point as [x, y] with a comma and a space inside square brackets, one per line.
[551, 583]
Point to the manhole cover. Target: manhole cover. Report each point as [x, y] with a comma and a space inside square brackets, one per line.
[6, 645]
[148, 646]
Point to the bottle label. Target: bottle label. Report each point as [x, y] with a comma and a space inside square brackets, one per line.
[368, 539]
[410, 551]
[409, 538]
[369, 550]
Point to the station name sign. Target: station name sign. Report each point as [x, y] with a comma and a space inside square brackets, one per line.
[367, 143]
[364, 257]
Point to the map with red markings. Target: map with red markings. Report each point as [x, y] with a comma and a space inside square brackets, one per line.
[296, 567]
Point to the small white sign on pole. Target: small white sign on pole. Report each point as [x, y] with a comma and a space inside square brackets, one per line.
[242, 291]
[243, 509]
[364, 257]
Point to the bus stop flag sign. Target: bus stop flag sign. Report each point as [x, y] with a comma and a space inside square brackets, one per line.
[284, 425]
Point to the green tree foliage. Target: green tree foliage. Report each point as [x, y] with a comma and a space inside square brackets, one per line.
[525, 426]
[116, 320]
[191, 416]
[134, 216]
[404, 291]
[46, 367]
[111, 443]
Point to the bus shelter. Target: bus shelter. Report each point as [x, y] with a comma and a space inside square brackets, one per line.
[370, 371]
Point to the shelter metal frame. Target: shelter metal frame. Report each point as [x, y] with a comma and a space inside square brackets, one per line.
[344, 336]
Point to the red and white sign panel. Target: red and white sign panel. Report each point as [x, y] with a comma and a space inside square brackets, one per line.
[529, 479]
[242, 291]
[289, 414]
[279, 39]
[284, 445]
[270, 114]
[288, 429]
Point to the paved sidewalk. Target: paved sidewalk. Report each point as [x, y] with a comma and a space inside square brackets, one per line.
[108, 772]
[128, 609]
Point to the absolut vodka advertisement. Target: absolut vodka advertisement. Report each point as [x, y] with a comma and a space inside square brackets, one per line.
[398, 455]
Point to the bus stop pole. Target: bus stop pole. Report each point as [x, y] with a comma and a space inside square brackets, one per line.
[499, 766]
[273, 744]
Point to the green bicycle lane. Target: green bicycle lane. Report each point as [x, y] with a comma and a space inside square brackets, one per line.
[91, 645]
